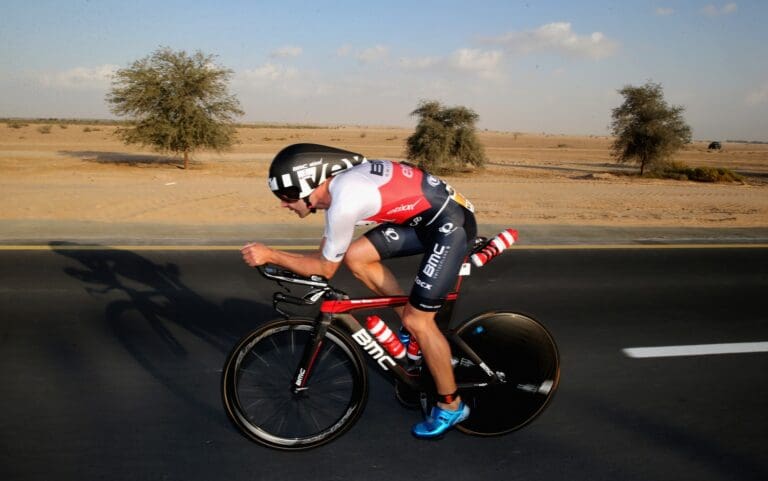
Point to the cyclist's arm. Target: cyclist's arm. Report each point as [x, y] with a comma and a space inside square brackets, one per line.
[257, 254]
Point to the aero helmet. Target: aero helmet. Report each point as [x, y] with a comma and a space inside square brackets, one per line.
[298, 169]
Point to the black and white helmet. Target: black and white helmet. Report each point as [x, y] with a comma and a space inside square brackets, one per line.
[298, 169]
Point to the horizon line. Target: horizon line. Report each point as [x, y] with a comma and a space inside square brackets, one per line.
[310, 125]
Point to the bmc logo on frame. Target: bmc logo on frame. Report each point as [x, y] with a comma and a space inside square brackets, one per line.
[373, 349]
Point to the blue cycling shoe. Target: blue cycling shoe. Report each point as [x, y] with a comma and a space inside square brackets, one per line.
[439, 421]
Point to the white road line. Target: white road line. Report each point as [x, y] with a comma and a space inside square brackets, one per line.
[696, 350]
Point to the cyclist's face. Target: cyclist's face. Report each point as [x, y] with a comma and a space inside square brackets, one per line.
[298, 206]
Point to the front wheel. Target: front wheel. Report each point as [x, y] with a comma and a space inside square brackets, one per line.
[524, 355]
[258, 394]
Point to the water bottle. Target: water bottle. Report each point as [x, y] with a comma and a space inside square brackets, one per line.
[379, 329]
[411, 346]
[414, 352]
[494, 247]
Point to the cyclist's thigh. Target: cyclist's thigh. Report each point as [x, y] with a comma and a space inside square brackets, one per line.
[391, 240]
[446, 248]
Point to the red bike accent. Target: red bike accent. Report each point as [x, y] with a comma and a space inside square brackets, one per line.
[347, 305]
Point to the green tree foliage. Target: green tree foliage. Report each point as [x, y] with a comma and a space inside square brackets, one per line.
[445, 139]
[647, 130]
[178, 103]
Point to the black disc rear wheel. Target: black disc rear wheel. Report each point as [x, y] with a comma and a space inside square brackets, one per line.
[522, 352]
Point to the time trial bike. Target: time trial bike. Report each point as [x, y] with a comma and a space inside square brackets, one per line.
[300, 382]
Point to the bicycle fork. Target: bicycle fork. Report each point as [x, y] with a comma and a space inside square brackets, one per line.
[309, 357]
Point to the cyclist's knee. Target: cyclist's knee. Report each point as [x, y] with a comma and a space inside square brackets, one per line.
[360, 255]
[418, 322]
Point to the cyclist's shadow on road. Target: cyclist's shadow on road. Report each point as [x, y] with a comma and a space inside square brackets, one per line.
[165, 325]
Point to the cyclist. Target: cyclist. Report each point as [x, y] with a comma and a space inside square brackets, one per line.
[416, 213]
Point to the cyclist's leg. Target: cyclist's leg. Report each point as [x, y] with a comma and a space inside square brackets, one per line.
[434, 348]
[364, 256]
[447, 245]
[450, 410]
[446, 249]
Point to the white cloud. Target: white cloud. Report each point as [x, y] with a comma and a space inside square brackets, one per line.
[366, 55]
[558, 37]
[713, 10]
[664, 11]
[287, 51]
[483, 63]
[269, 72]
[80, 78]
[476, 60]
[758, 96]
[419, 63]
[373, 54]
[281, 81]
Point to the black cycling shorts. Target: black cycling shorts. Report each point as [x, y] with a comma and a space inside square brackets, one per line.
[445, 242]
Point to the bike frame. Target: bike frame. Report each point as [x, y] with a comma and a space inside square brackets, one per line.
[336, 309]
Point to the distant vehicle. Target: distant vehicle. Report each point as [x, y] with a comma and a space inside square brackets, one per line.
[714, 146]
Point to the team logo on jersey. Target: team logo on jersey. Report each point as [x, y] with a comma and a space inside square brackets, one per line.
[391, 235]
[404, 208]
[377, 168]
[436, 260]
[448, 228]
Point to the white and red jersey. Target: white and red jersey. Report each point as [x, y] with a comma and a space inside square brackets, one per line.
[380, 191]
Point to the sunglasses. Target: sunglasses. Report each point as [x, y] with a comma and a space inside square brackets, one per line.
[289, 194]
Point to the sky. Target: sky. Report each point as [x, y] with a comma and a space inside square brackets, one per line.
[522, 66]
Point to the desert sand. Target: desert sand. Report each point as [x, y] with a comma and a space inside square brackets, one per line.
[78, 172]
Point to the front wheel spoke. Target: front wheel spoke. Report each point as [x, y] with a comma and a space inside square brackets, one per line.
[326, 410]
[261, 359]
[304, 414]
[278, 360]
[327, 352]
[279, 414]
[331, 374]
[259, 380]
[338, 397]
[323, 392]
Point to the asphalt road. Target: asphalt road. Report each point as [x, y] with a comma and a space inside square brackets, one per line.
[110, 365]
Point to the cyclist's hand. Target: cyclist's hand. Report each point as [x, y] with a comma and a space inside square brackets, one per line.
[255, 254]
